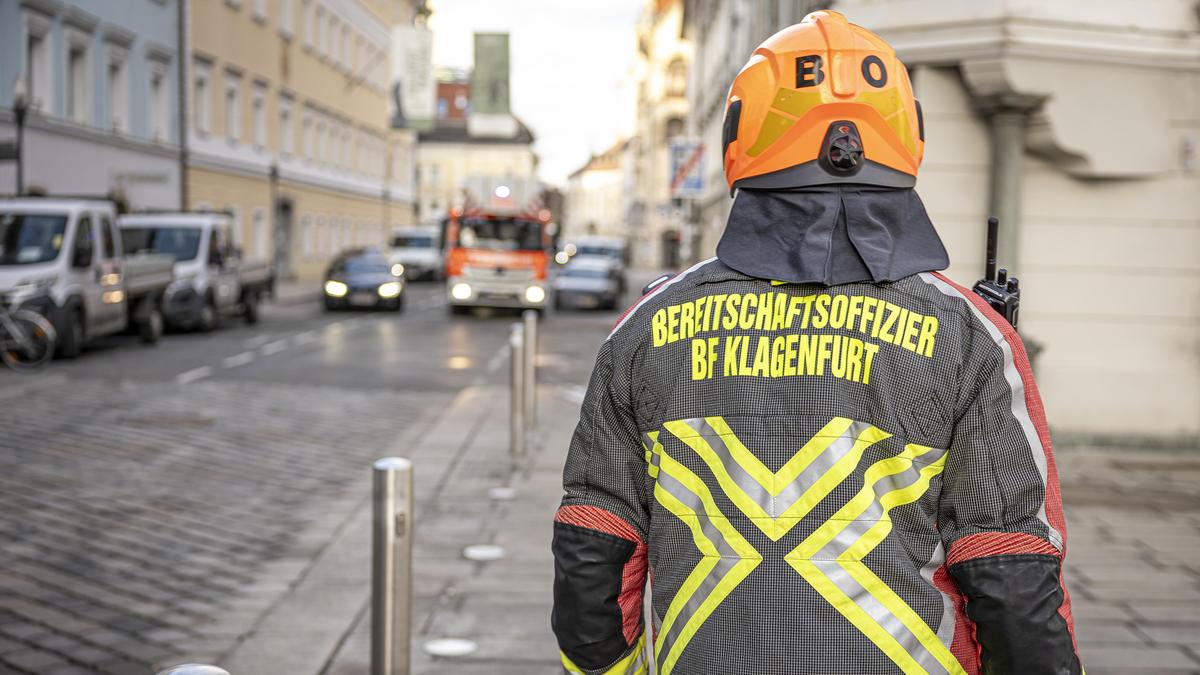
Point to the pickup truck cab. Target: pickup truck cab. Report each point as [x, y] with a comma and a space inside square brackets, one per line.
[64, 259]
[212, 280]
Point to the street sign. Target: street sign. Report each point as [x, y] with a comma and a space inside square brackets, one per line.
[8, 151]
[687, 169]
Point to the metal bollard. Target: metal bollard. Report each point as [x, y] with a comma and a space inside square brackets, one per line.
[530, 318]
[391, 573]
[194, 669]
[516, 394]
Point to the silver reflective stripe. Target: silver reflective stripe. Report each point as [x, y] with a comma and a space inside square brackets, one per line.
[855, 529]
[1020, 410]
[882, 615]
[776, 505]
[728, 560]
[945, 627]
[666, 284]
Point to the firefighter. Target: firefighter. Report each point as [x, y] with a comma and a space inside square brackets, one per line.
[827, 457]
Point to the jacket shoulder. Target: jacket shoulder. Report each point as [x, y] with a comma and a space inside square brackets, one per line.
[633, 324]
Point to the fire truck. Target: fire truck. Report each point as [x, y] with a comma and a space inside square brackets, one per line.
[498, 246]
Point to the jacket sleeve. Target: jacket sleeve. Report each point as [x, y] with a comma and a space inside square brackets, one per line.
[1001, 514]
[600, 533]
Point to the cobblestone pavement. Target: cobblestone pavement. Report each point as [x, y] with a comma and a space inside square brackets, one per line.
[132, 516]
[1133, 560]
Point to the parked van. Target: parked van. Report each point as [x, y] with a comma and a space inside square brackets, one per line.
[418, 251]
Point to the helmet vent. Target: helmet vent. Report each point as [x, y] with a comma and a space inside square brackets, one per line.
[843, 153]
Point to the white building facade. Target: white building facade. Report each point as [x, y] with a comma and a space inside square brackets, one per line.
[1077, 124]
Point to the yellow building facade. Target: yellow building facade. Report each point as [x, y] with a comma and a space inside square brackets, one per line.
[288, 118]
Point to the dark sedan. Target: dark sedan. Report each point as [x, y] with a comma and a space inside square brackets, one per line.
[362, 278]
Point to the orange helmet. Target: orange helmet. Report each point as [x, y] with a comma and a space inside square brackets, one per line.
[822, 102]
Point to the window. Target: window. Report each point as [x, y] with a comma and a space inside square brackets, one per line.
[347, 44]
[307, 239]
[677, 78]
[674, 127]
[286, 132]
[322, 238]
[233, 103]
[258, 115]
[200, 103]
[158, 101]
[261, 239]
[235, 226]
[286, 18]
[319, 153]
[77, 79]
[118, 89]
[108, 240]
[306, 11]
[83, 241]
[37, 63]
[335, 39]
[435, 171]
[309, 141]
[322, 32]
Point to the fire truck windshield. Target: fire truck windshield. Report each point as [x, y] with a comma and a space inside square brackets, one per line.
[501, 234]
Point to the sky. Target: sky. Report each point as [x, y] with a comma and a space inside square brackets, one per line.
[571, 63]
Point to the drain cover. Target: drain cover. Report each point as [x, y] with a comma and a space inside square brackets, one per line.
[450, 647]
[483, 552]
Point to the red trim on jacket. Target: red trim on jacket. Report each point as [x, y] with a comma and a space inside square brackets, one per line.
[965, 648]
[986, 544]
[1037, 415]
[633, 575]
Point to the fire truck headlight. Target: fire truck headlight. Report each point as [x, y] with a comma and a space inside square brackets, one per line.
[535, 295]
[460, 291]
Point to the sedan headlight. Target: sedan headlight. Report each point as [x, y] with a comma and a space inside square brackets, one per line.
[460, 291]
[535, 295]
[389, 289]
[336, 289]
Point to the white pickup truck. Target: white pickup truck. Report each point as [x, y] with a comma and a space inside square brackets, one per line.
[64, 259]
[212, 280]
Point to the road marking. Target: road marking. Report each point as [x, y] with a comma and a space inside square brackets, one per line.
[239, 359]
[194, 374]
[305, 338]
[274, 347]
[257, 341]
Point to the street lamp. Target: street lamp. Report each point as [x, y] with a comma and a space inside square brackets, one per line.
[20, 107]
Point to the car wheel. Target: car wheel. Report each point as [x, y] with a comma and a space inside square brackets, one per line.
[206, 320]
[150, 329]
[73, 336]
[250, 308]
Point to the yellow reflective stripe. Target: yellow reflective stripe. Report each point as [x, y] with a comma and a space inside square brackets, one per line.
[633, 663]
[857, 504]
[850, 561]
[776, 526]
[863, 621]
[750, 558]
[652, 448]
[831, 479]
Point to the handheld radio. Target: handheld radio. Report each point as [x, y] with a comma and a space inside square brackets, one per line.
[1001, 291]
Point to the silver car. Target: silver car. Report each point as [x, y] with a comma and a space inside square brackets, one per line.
[588, 283]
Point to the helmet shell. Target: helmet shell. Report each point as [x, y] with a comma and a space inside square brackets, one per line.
[813, 92]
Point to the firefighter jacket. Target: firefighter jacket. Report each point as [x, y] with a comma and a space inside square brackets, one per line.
[853, 479]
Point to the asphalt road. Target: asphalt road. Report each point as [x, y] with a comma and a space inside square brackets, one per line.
[151, 496]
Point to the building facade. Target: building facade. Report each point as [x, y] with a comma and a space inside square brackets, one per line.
[656, 219]
[469, 139]
[100, 78]
[1038, 113]
[289, 125]
[595, 199]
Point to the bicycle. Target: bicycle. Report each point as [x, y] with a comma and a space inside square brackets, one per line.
[26, 339]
